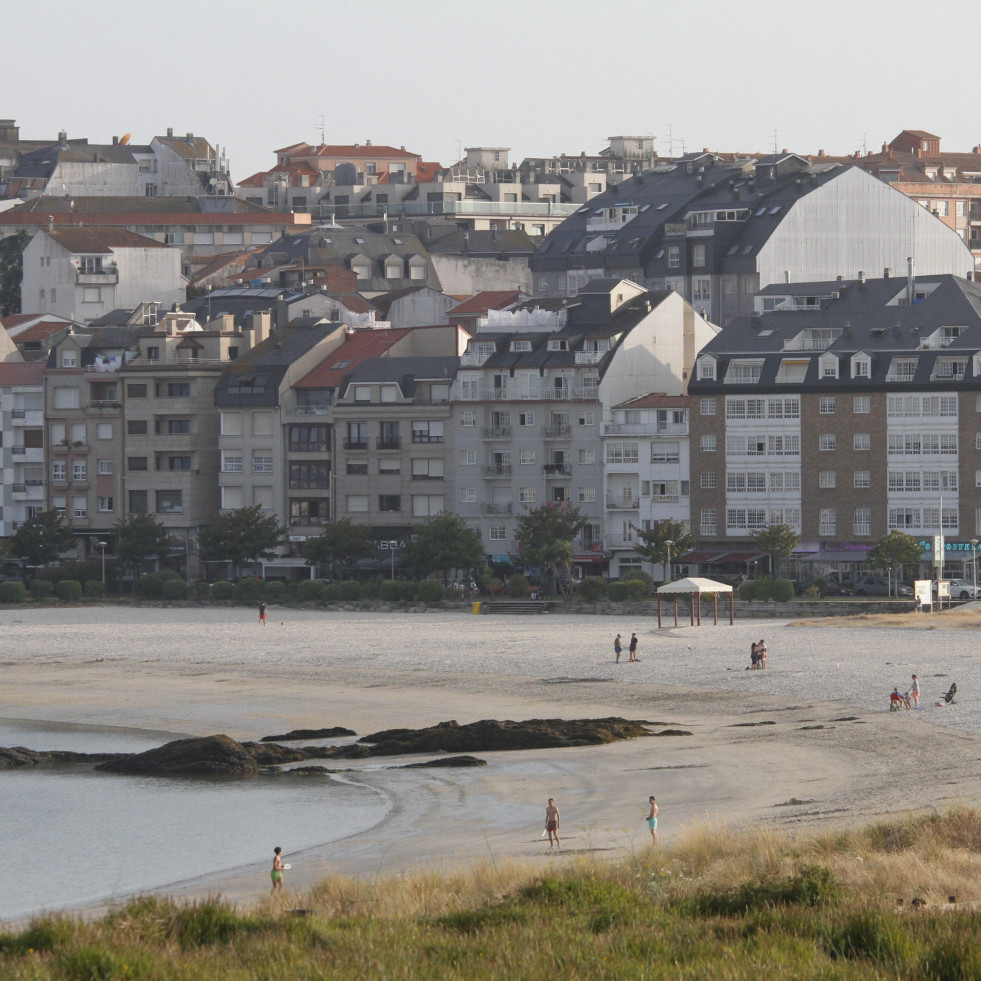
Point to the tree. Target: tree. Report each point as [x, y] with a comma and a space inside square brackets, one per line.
[655, 538]
[340, 541]
[138, 537]
[893, 552]
[546, 534]
[442, 543]
[243, 535]
[42, 539]
[11, 271]
[778, 541]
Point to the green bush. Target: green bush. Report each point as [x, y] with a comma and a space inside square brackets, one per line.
[617, 592]
[765, 588]
[275, 589]
[42, 588]
[12, 591]
[389, 591]
[812, 886]
[639, 575]
[168, 573]
[370, 589]
[592, 588]
[311, 591]
[94, 588]
[201, 591]
[175, 589]
[637, 589]
[222, 590]
[518, 587]
[408, 590]
[148, 586]
[782, 590]
[332, 592]
[351, 590]
[69, 590]
[249, 590]
[431, 591]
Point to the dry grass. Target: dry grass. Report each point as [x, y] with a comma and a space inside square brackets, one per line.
[968, 618]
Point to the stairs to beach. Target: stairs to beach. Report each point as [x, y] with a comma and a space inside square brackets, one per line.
[516, 606]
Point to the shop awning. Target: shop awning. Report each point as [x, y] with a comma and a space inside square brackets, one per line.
[689, 557]
[741, 556]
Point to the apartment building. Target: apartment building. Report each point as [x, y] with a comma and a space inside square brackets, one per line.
[845, 409]
[22, 442]
[536, 388]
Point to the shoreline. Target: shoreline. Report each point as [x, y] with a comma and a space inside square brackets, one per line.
[838, 756]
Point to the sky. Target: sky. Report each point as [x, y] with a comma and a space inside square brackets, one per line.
[542, 77]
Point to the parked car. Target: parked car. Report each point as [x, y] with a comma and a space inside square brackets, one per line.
[880, 586]
[959, 589]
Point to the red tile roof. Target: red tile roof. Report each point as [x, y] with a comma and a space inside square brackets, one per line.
[22, 372]
[486, 300]
[358, 346]
[39, 332]
[16, 319]
[379, 151]
[102, 240]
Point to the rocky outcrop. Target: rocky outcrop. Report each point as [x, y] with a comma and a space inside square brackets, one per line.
[309, 734]
[489, 735]
[272, 754]
[446, 761]
[216, 756]
[12, 757]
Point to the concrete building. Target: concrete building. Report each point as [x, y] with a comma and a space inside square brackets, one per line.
[846, 410]
[536, 388]
[83, 273]
[22, 453]
[717, 232]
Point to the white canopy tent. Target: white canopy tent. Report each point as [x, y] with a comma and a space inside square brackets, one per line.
[694, 587]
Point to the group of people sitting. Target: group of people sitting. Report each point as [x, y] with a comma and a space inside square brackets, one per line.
[757, 655]
[904, 701]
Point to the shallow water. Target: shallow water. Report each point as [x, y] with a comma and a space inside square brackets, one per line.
[74, 836]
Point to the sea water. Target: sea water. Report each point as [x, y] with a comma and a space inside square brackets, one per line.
[73, 836]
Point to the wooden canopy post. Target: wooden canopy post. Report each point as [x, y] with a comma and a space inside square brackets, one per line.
[730, 607]
[658, 611]
[676, 609]
[691, 608]
[715, 609]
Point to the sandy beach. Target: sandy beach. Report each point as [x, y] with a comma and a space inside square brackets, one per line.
[812, 729]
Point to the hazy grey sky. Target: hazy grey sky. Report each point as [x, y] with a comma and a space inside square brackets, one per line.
[539, 76]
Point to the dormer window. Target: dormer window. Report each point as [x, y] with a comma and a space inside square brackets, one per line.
[829, 366]
[706, 369]
[861, 366]
[901, 370]
[520, 345]
[558, 344]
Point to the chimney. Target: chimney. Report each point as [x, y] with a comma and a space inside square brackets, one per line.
[861, 276]
[886, 273]
[970, 275]
[820, 153]
[261, 325]
[190, 136]
[170, 131]
[115, 141]
[51, 223]
[62, 138]
[367, 142]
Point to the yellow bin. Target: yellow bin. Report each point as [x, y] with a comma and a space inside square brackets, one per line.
[476, 607]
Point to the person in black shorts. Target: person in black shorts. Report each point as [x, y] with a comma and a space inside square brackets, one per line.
[633, 648]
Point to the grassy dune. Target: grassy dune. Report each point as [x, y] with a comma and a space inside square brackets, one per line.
[718, 905]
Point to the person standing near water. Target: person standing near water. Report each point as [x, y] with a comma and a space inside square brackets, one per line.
[617, 648]
[652, 819]
[262, 614]
[552, 824]
[277, 870]
[633, 648]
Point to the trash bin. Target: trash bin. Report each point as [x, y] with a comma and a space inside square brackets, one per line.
[476, 607]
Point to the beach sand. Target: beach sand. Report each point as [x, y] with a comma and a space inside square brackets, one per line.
[813, 728]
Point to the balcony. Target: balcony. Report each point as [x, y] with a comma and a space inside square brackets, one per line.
[498, 508]
[620, 541]
[388, 443]
[583, 545]
[557, 470]
[589, 357]
[426, 438]
[496, 432]
[108, 276]
[355, 444]
[499, 470]
[621, 502]
[665, 498]
[558, 432]
[19, 491]
[98, 404]
[308, 410]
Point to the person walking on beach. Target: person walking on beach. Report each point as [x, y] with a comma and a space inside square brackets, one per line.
[914, 692]
[552, 824]
[277, 870]
[262, 614]
[617, 647]
[633, 648]
[652, 819]
[761, 650]
[754, 655]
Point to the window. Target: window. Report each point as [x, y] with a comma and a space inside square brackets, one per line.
[389, 502]
[137, 463]
[105, 466]
[826, 441]
[427, 432]
[709, 479]
[231, 498]
[701, 289]
[231, 462]
[357, 436]
[231, 424]
[427, 469]
[426, 505]
[526, 456]
[79, 507]
[308, 475]
[178, 427]
[527, 495]
[468, 458]
[526, 418]
[827, 478]
[622, 451]
[105, 504]
[862, 478]
[362, 393]
[708, 522]
[170, 502]
[69, 359]
[104, 430]
[79, 470]
[862, 521]
[674, 257]
[262, 463]
[744, 372]
[468, 418]
[59, 472]
[178, 463]
[861, 441]
[706, 369]
[176, 390]
[358, 469]
[587, 418]
[66, 398]
[861, 404]
[587, 456]
[698, 255]
[468, 495]
[498, 533]
[136, 391]
[708, 443]
[357, 502]
[826, 405]
[307, 439]
[706, 407]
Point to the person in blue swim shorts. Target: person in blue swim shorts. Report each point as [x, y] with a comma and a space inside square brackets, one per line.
[652, 819]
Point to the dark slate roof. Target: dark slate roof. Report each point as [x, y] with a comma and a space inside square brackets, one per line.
[95, 342]
[256, 377]
[869, 320]
[405, 371]
[241, 302]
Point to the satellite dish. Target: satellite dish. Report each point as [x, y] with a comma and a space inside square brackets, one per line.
[213, 181]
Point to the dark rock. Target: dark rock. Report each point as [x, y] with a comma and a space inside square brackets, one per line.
[309, 734]
[490, 735]
[19, 756]
[272, 754]
[208, 755]
[304, 771]
[737, 725]
[671, 732]
[447, 761]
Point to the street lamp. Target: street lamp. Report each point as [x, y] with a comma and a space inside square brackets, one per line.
[974, 566]
[103, 546]
[668, 543]
[392, 546]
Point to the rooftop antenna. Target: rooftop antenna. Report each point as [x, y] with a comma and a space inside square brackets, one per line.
[775, 144]
[865, 145]
[671, 142]
[322, 127]
[459, 149]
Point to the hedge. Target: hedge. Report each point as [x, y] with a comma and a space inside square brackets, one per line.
[69, 590]
[12, 591]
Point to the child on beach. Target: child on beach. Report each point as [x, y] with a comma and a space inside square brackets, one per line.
[761, 650]
[277, 870]
[652, 819]
[262, 614]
